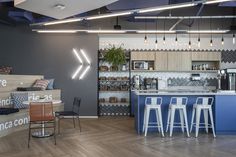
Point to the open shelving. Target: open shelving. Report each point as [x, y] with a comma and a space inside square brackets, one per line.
[112, 81]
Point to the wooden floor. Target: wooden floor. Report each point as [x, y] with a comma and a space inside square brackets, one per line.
[115, 137]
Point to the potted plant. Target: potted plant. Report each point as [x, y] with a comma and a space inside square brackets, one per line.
[115, 56]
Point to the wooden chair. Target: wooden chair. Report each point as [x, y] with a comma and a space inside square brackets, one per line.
[74, 113]
[41, 117]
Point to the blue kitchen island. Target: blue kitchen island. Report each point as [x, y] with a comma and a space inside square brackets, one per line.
[224, 108]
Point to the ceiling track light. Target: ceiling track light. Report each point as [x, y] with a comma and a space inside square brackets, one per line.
[215, 1]
[131, 31]
[106, 31]
[108, 15]
[207, 31]
[62, 21]
[167, 7]
[184, 17]
[154, 32]
[55, 31]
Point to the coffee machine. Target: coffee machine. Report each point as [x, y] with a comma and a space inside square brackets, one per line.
[151, 83]
[228, 79]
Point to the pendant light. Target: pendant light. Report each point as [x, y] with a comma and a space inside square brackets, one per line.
[189, 36]
[156, 42]
[222, 40]
[222, 37]
[211, 41]
[234, 38]
[164, 37]
[145, 37]
[176, 39]
[199, 40]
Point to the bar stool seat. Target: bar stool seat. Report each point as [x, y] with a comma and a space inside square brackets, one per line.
[153, 103]
[177, 103]
[202, 104]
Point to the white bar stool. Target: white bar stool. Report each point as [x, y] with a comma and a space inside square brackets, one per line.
[202, 104]
[153, 103]
[177, 103]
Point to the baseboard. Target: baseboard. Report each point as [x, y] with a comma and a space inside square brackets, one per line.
[84, 117]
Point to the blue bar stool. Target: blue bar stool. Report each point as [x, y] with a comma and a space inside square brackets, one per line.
[177, 103]
[202, 104]
[153, 103]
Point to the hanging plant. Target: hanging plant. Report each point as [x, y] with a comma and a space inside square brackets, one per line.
[115, 55]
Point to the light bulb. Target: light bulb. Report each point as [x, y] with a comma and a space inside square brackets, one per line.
[233, 38]
[199, 42]
[156, 43]
[211, 42]
[164, 40]
[222, 41]
[145, 39]
[176, 40]
[189, 44]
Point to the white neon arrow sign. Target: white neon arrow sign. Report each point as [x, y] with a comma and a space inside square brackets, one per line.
[81, 64]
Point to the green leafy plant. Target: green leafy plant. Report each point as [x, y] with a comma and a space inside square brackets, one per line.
[115, 56]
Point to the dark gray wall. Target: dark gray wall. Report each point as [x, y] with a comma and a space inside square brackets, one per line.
[51, 55]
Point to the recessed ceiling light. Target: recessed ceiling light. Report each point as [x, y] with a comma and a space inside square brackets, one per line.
[59, 6]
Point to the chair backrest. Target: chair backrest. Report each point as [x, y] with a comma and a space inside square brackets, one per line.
[178, 101]
[204, 100]
[76, 104]
[41, 111]
[153, 100]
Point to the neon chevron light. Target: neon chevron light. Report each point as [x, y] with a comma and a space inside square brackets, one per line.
[81, 64]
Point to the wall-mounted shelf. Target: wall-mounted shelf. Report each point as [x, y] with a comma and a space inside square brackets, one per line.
[115, 91]
[200, 71]
[114, 80]
[113, 71]
[115, 104]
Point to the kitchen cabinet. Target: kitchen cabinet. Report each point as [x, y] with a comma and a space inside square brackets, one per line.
[179, 61]
[143, 55]
[206, 56]
[161, 60]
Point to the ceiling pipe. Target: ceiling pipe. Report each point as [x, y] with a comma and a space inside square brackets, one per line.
[198, 13]
[178, 22]
[184, 17]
